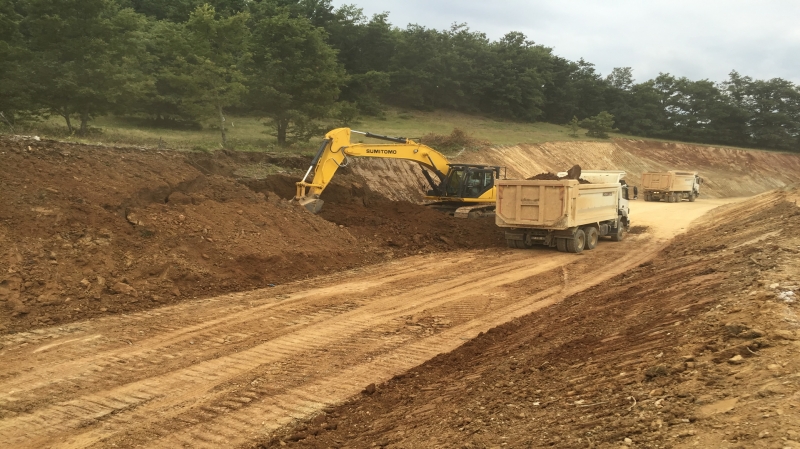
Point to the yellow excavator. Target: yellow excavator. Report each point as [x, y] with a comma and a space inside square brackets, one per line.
[465, 190]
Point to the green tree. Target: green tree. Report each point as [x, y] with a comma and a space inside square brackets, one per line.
[13, 88]
[573, 89]
[775, 114]
[295, 77]
[620, 78]
[647, 115]
[520, 70]
[86, 56]
[212, 75]
[166, 99]
[573, 124]
[599, 125]
[422, 70]
[178, 11]
[365, 48]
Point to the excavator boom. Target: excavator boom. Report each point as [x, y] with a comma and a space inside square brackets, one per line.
[450, 182]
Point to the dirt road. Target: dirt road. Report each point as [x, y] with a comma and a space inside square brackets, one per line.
[222, 371]
[696, 348]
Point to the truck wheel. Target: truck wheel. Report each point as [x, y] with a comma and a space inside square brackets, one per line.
[591, 237]
[670, 198]
[521, 244]
[561, 245]
[577, 242]
[511, 243]
[692, 198]
[618, 235]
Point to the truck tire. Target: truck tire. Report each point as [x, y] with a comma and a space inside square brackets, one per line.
[692, 198]
[577, 242]
[511, 243]
[561, 245]
[618, 235]
[592, 236]
[670, 198]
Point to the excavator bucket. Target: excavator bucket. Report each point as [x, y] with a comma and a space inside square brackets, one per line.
[312, 205]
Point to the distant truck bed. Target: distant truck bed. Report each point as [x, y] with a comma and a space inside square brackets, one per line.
[671, 186]
[564, 213]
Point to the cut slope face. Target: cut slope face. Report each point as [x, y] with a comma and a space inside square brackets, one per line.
[726, 172]
[697, 348]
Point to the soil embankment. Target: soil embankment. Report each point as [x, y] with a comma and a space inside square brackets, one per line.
[91, 230]
[696, 348]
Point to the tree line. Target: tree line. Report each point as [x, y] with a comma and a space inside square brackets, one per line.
[296, 62]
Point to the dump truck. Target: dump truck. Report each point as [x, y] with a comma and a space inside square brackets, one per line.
[566, 214]
[671, 186]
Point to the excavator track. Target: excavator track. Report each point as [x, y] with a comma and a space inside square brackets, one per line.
[481, 210]
[458, 210]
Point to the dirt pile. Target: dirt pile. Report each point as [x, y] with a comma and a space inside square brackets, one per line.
[697, 348]
[410, 228]
[573, 173]
[88, 230]
[401, 226]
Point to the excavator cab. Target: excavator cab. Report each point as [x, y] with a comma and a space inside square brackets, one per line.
[469, 181]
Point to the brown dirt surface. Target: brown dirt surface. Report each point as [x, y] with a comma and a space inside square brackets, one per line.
[91, 230]
[136, 308]
[697, 347]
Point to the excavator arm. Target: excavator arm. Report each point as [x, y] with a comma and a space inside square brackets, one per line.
[336, 147]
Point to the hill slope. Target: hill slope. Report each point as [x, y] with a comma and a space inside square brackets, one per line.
[727, 172]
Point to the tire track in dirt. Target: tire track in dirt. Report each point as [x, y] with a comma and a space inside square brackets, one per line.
[166, 390]
[182, 385]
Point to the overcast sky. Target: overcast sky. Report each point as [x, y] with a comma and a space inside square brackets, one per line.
[697, 39]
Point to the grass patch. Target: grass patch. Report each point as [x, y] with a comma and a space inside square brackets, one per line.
[416, 124]
[250, 134]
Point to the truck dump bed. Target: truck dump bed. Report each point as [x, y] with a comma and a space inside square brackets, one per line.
[554, 204]
[671, 181]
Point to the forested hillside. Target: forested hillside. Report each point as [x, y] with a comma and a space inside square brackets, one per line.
[300, 63]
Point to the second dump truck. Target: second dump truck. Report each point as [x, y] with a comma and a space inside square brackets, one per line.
[564, 214]
[672, 186]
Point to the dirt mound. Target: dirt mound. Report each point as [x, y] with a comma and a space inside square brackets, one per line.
[678, 352]
[410, 227]
[572, 173]
[544, 177]
[88, 230]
